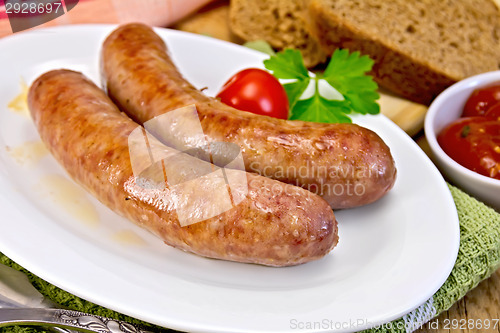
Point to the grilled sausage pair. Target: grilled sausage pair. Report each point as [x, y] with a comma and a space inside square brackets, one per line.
[278, 222]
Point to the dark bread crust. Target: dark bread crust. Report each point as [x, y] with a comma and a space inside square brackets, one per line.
[419, 48]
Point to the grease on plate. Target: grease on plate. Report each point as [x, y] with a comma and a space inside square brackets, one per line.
[20, 103]
[72, 199]
[128, 237]
[28, 153]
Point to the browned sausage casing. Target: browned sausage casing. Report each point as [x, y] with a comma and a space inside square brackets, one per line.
[276, 224]
[346, 164]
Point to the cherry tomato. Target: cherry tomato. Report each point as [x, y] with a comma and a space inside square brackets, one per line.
[474, 142]
[481, 100]
[257, 91]
[493, 112]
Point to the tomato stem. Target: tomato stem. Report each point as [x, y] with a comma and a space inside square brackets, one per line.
[465, 131]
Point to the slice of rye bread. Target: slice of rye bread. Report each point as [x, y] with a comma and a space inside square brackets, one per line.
[279, 22]
[419, 47]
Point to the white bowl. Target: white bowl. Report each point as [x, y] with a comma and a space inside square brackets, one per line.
[447, 107]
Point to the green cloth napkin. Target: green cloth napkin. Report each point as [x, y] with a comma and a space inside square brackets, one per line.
[69, 301]
[478, 258]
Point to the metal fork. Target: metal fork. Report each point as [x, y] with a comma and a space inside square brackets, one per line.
[22, 304]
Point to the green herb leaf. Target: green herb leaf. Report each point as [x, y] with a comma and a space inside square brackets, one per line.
[345, 64]
[364, 102]
[321, 110]
[294, 90]
[346, 73]
[287, 65]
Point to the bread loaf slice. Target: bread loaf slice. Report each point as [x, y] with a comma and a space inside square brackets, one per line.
[419, 47]
[279, 22]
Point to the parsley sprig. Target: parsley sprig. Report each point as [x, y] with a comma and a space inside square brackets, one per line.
[345, 73]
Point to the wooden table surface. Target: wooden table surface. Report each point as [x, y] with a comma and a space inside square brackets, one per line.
[479, 304]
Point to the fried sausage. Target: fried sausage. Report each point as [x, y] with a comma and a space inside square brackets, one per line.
[275, 224]
[346, 164]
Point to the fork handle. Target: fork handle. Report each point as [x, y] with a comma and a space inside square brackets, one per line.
[68, 319]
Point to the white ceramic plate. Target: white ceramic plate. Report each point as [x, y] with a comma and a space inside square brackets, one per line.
[393, 255]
